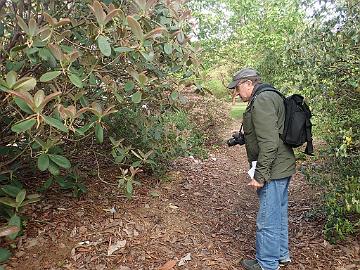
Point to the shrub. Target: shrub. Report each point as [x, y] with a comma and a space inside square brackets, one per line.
[165, 136]
[68, 67]
[322, 62]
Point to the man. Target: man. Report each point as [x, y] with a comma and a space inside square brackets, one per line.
[263, 122]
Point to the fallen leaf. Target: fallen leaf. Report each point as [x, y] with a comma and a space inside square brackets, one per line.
[169, 265]
[184, 259]
[73, 232]
[173, 206]
[111, 210]
[114, 247]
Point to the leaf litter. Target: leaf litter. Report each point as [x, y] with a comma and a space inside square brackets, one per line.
[204, 219]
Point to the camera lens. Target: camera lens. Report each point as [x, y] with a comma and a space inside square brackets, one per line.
[231, 142]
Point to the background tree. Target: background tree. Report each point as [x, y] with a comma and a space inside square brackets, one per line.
[310, 47]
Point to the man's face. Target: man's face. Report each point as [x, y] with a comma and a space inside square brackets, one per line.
[244, 90]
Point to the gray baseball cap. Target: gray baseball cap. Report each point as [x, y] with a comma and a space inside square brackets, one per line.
[242, 74]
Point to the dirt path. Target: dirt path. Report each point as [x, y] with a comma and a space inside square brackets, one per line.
[205, 211]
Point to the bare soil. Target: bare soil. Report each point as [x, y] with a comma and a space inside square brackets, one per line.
[204, 218]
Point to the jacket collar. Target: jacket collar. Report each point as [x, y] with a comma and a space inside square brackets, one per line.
[258, 88]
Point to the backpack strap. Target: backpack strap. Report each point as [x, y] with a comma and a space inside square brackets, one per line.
[309, 150]
[263, 88]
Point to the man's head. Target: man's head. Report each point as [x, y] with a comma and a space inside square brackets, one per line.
[243, 83]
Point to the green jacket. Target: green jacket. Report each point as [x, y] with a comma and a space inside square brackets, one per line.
[263, 122]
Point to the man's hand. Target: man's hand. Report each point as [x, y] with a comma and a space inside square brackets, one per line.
[255, 184]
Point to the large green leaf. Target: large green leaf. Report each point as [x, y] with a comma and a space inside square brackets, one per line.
[53, 168]
[60, 161]
[129, 187]
[168, 48]
[20, 196]
[104, 45]
[64, 183]
[55, 123]
[99, 13]
[43, 162]
[23, 125]
[3, 88]
[11, 190]
[11, 78]
[123, 49]
[136, 97]
[76, 80]
[39, 98]
[32, 27]
[129, 86]
[99, 133]
[23, 105]
[135, 28]
[4, 255]
[48, 76]
[8, 201]
[148, 56]
[25, 84]
[45, 54]
[30, 200]
[45, 186]
[84, 128]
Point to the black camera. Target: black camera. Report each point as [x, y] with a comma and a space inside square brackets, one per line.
[237, 138]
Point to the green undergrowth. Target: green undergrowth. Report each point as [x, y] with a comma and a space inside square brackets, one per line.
[339, 181]
[237, 110]
[166, 136]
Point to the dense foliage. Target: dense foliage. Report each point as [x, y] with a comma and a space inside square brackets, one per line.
[92, 77]
[311, 47]
[324, 61]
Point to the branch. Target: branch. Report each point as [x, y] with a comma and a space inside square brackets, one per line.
[2, 4]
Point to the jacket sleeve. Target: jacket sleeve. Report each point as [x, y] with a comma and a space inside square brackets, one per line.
[265, 121]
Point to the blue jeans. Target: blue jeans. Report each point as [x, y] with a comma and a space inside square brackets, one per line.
[272, 241]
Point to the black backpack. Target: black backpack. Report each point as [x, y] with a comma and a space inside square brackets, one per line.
[297, 126]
